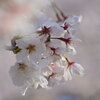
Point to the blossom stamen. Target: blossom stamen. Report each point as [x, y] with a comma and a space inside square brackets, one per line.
[45, 31]
[22, 67]
[70, 63]
[54, 51]
[66, 26]
[31, 48]
[67, 41]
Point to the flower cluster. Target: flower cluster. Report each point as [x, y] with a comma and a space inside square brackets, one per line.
[42, 56]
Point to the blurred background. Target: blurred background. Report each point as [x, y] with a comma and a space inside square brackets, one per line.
[80, 88]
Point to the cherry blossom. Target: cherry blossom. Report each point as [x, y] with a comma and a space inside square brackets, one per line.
[42, 56]
[71, 69]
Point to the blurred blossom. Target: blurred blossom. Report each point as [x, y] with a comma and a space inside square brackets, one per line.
[65, 96]
[68, 98]
[16, 15]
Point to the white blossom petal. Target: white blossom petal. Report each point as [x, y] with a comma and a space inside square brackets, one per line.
[67, 75]
[77, 69]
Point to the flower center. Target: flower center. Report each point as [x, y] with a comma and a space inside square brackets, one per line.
[22, 67]
[45, 30]
[54, 51]
[70, 63]
[66, 26]
[31, 48]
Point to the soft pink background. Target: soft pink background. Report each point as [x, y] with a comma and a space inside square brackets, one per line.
[87, 87]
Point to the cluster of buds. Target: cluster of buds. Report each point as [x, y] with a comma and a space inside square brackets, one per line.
[42, 57]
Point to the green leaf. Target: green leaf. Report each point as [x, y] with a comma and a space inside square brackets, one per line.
[17, 50]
